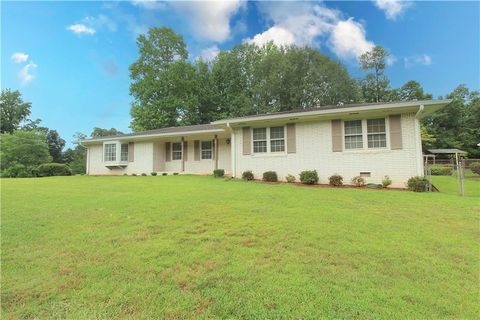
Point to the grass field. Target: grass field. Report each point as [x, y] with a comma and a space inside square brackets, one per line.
[198, 247]
[450, 185]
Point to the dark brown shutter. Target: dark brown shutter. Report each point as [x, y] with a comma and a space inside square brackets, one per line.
[291, 138]
[336, 135]
[168, 152]
[247, 140]
[131, 150]
[196, 150]
[395, 131]
[185, 150]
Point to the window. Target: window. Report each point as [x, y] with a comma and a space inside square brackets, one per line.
[259, 140]
[353, 134]
[376, 134]
[110, 150]
[206, 149]
[124, 152]
[277, 139]
[177, 151]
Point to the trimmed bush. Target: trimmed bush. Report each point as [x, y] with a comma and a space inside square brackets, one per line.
[218, 173]
[17, 171]
[53, 169]
[175, 173]
[358, 181]
[475, 167]
[441, 170]
[270, 176]
[290, 178]
[164, 174]
[153, 173]
[386, 181]
[336, 180]
[247, 175]
[309, 177]
[134, 174]
[417, 184]
[144, 174]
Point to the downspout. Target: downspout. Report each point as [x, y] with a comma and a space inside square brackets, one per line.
[232, 152]
[418, 142]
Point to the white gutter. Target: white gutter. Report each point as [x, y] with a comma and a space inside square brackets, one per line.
[418, 141]
[233, 156]
[136, 137]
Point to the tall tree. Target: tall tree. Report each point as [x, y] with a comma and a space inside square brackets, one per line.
[411, 90]
[101, 132]
[76, 158]
[55, 145]
[13, 110]
[161, 80]
[375, 84]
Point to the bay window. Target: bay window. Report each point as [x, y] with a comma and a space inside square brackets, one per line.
[110, 152]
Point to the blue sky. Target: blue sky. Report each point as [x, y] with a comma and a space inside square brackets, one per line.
[70, 59]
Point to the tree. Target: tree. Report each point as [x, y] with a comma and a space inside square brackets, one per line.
[161, 80]
[375, 84]
[100, 132]
[76, 158]
[411, 90]
[13, 110]
[55, 145]
[27, 148]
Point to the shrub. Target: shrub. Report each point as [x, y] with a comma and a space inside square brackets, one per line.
[358, 181]
[218, 173]
[309, 177]
[417, 184]
[153, 173]
[335, 180]
[164, 174]
[386, 181]
[125, 174]
[290, 178]
[134, 174]
[475, 167]
[53, 169]
[17, 171]
[441, 170]
[270, 176]
[247, 175]
[175, 173]
[144, 174]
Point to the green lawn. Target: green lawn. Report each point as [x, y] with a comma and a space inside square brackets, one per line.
[198, 247]
[450, 185]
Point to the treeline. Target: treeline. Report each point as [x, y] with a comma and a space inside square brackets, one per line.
[169, 89]
[30, 149]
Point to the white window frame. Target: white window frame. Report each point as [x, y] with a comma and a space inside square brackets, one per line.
[113, 154]
[123, 155]
[258, 140]
[377, 133]
[268, 139]
[345, 135]
[365, 135]
[202, 149]
[177, 151]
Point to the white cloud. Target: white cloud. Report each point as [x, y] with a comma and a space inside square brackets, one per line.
[149, 4]
[304, 23]
[423, 59]
[348, 39]
[80, 28]
[19, 57]
[210, 20]
[99, 22]
[26, 73]
[391, 60]
[210, 53]
[392, 8]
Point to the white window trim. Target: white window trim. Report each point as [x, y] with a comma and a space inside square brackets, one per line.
[201, 150]
[118, 153]
[181, 150]
[365, 135]
[269, 152]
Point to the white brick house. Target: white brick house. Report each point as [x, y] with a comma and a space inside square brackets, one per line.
[372, 140]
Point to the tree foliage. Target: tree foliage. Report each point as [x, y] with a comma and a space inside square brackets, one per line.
[375, 85]
[13, 110]
[55, 145]
[100, 132]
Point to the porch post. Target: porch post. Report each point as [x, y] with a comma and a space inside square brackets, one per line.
[183, 155]
[216, 151]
